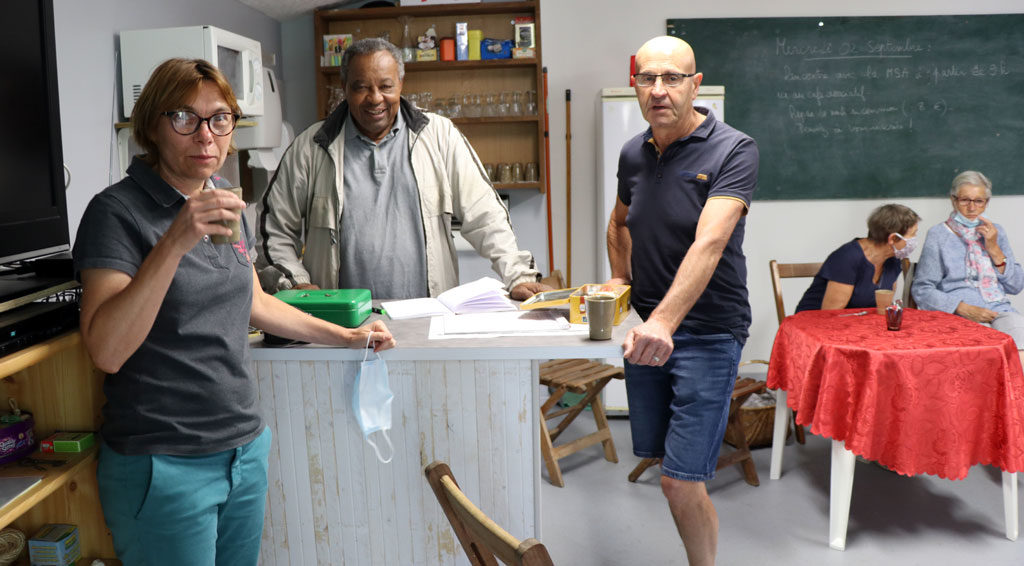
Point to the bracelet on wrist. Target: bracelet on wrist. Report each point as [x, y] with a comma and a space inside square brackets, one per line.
[1000, 264]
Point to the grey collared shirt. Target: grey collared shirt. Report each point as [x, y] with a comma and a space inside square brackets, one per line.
[382, 241]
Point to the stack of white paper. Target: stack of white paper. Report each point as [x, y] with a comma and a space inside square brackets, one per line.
[520, 322]
[486, 294]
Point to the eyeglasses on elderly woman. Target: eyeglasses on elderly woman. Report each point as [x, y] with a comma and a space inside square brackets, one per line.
[186, 122]
[975, 201]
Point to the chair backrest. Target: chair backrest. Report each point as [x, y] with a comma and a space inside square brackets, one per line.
[555, 280]
[481, 538]
[909, 267]
[782, 271]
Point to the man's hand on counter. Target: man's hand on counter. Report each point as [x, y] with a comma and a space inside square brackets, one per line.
[524, 291]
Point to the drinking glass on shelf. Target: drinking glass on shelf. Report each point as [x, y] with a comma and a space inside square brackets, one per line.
[454, 107]
[504, 102]
[469, 108]
[489, 169]
[504, 173]
[531, 102]
[414, 99]
[427, 101]
[491, 106]
[440, 107]
[335, 96]
[530, 173]
[517, 173]
[516, 106]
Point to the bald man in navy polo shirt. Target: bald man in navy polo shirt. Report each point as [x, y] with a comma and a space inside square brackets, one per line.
[676, 236]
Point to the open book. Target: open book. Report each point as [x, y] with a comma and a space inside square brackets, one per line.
[486, 294]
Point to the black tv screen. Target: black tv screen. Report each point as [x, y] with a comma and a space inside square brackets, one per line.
[33, 208]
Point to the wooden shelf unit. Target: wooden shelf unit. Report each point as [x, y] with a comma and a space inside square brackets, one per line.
[496, 139]
[56, 381]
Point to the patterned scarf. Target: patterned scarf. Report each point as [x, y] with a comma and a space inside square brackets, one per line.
[980, 272]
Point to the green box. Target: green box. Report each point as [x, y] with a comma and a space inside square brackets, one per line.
[73, 441]
[344, 307]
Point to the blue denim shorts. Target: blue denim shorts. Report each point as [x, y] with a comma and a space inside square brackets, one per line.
[678, 411]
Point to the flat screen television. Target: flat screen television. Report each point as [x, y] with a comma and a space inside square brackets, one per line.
[33, 208]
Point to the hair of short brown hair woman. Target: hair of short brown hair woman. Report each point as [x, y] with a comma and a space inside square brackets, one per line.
[889, 219]
[173, 84]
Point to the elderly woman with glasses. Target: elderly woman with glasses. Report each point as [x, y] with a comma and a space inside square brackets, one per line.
[165, 312]
[967, 266]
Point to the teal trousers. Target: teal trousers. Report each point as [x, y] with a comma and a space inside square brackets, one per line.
[196, 510]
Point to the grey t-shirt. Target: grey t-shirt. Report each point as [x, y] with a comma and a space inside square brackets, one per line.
[187, 389]
[382, 242]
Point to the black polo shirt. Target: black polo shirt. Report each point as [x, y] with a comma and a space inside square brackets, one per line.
[188, 388]
[666, 194]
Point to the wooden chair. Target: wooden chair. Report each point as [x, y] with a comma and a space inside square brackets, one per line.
[909, 267]
[780, 271]
[484, 541]
[583, 377]
[744, 388]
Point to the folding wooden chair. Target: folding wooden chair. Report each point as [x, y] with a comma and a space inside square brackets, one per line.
[577, 376]
[483, 540]
[744, 388]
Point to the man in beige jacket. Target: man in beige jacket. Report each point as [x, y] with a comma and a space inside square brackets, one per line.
[371, 206]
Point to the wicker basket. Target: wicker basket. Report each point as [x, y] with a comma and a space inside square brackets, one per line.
[759, 424]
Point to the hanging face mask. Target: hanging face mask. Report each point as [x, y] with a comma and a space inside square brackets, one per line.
[905, 251]
[371, 401]
[963, 220]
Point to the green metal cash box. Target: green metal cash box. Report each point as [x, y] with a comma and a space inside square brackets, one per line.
[344, 307]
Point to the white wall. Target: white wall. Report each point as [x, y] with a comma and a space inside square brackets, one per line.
[586, 46]
[87, 35]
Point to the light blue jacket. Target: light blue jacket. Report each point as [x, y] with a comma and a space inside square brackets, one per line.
[940, 280]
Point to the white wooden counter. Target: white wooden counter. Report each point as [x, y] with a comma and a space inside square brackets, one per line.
[470, 402]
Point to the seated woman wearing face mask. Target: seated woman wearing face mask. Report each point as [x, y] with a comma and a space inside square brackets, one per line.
[852, 273]
[967, 266]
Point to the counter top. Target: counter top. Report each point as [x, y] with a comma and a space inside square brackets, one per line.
[413, 344]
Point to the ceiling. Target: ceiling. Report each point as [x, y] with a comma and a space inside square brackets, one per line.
[282, 10]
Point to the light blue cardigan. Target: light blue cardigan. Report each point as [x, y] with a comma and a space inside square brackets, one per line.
[940, 280]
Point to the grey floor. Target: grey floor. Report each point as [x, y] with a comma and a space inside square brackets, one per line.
[599, 518]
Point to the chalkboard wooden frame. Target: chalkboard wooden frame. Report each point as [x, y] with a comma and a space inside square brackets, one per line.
[870, 107]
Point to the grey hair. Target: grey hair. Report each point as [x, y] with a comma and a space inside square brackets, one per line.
[369, 46]
[971, 178]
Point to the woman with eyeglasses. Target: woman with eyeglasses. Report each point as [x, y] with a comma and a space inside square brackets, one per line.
[851, 274]
[967, 266]
[165, 313]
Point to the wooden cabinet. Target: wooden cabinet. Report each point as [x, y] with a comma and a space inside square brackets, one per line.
[498, 139]
[56, 381]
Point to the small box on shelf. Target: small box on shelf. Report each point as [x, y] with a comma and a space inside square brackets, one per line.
[55, 545]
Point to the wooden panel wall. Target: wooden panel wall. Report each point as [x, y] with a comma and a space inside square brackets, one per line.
[331, 501]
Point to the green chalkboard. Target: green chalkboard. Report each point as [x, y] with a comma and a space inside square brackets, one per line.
[870, 107]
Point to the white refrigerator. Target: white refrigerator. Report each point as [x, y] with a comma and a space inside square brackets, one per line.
[620, 120]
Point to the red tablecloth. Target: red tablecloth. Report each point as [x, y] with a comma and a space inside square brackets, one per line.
[936, 397]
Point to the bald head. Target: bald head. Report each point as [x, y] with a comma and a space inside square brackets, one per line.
[667, 48]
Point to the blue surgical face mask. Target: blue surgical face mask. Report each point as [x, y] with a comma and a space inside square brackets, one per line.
[905, 251]
[963, 220]
[371, 401]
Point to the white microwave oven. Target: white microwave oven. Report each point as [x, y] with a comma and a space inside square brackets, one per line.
[238, 57]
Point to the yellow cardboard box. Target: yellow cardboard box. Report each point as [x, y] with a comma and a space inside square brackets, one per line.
[577, 299]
